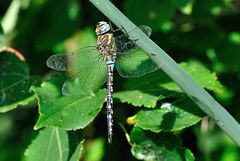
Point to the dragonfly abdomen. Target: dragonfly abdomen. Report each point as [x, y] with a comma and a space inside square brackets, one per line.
[109, 103]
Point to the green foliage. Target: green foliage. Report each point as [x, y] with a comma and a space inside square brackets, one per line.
[153, 12]
[151, 146]
[147, 90]
[15, 82]
[169, 116]
[137, 98]
[68, 112]
[202, 35]
[57, 146]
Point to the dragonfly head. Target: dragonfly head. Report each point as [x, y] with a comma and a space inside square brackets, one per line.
[102, 28]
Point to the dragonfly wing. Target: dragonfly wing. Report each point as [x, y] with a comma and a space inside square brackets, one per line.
[91, 78]
[85, 67]
[135, 64]
[58, 62]
[125, 44]
[71, 60]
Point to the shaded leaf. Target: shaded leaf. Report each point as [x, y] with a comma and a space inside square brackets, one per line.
[15, 82]
[170, 116]
[66, 15]
[68, 112]
[153, 12]
[76, 146]
[228, 54]
[207, 9]
[203, 37]
[155, 147]
[56, 146]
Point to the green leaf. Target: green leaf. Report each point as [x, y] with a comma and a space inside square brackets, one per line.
[57, 146]
[95, 150]
[136, 98]
[160, 82]
[205, 9]
[153, 12]
[204, 37]
[157, 85]
[170, 116]
[68, 112]
[203, 76]
[153, 147]
[66, 16]
[231, 60]
[15, 82]
[76, 146]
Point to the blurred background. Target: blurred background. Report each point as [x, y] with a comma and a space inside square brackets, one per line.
[207, 31]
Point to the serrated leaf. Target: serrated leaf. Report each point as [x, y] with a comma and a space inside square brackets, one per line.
[137, 98]
[68, 112]
[160, 83]
[170, 116]
[153, 12]
[15, 82]
[155, 147]
[53, 144]
[203, 76]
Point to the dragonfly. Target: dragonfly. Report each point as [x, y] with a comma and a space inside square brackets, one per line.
[92, 66]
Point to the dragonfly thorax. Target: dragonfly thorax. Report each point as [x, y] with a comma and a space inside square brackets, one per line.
[107, 47]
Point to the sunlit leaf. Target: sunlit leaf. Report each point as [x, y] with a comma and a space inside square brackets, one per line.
[68, 112]
[157, 85]
[15, 82]
[155, 147]
[95, 150]
[169, 116]
[57, 146]
[136, 98]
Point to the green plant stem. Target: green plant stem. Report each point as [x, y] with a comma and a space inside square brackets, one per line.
[201, 97]
[10, 18]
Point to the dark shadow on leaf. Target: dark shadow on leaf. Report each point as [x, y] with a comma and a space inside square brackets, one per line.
[75, 138]
[168, 121]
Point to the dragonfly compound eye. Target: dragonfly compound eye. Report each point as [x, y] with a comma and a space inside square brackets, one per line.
[102, 28]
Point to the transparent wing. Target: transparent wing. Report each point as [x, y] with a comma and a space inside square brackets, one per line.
[135, 64]
[125, 44]
[70, 60]
[91, 78]
[85, 67]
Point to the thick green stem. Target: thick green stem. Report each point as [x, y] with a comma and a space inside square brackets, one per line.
[10, 18]
[201, 97]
